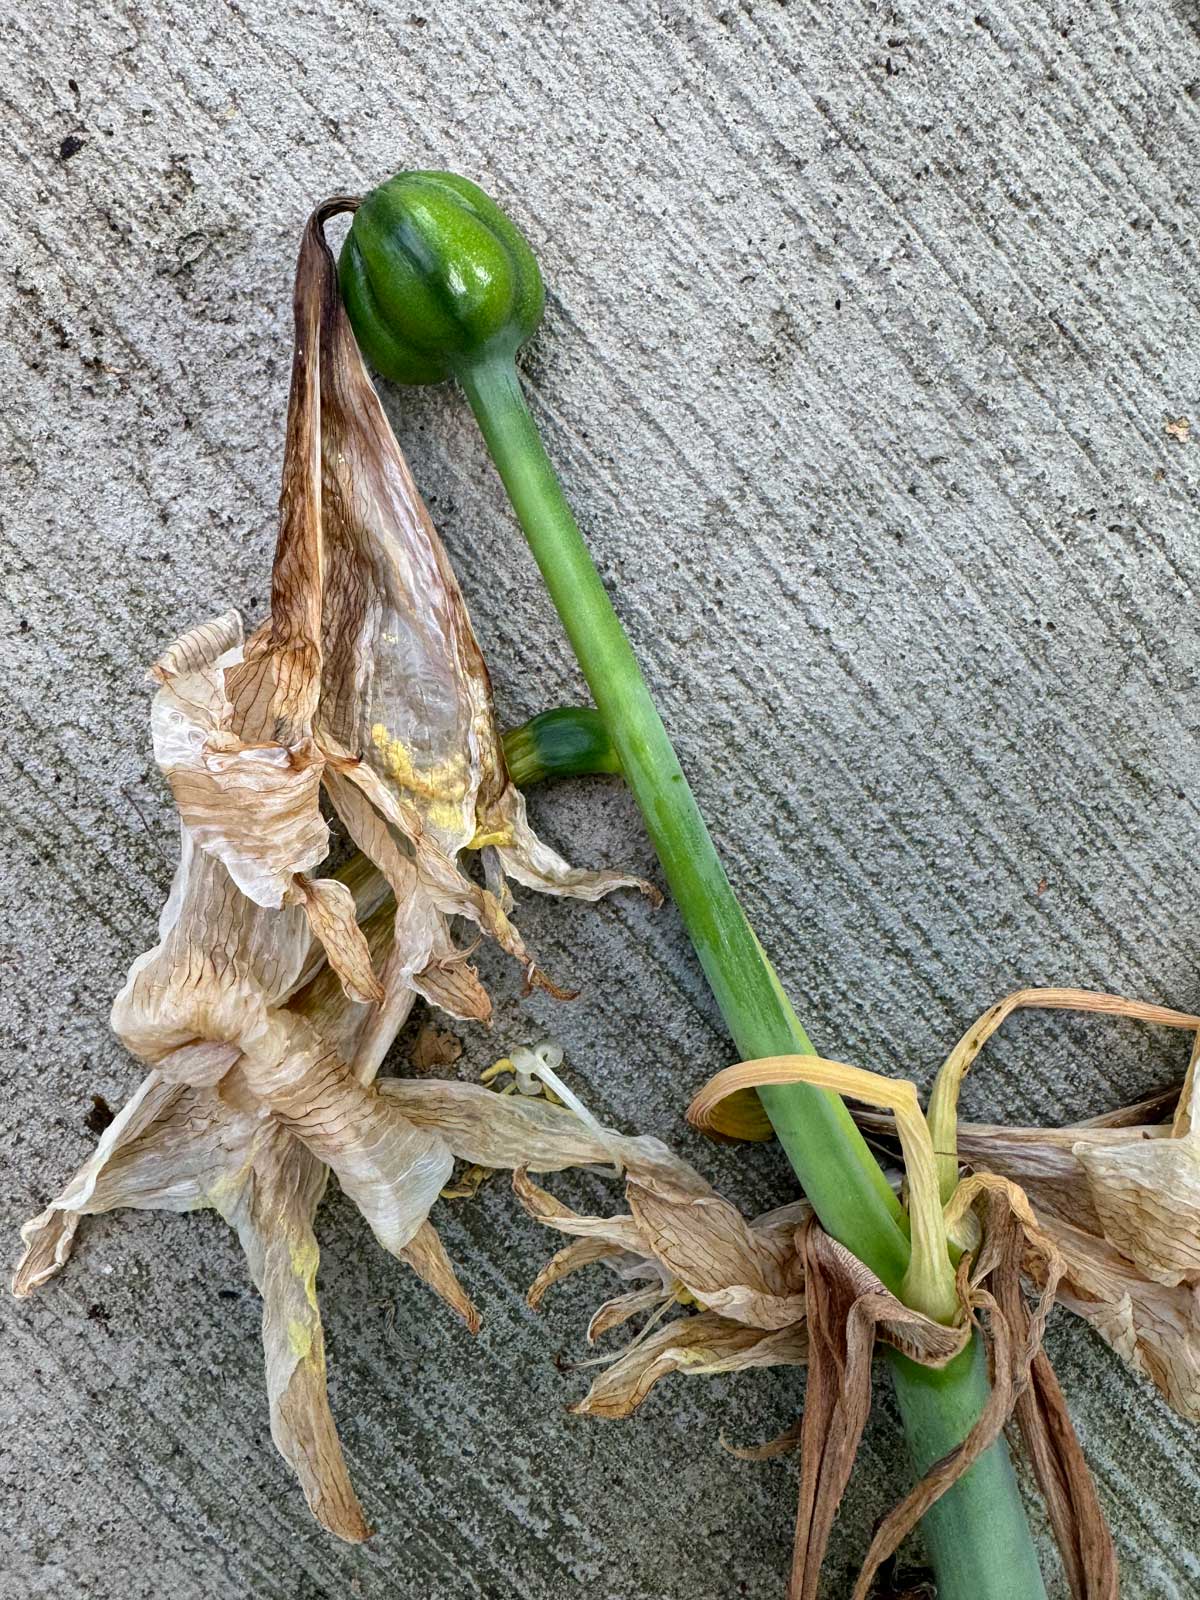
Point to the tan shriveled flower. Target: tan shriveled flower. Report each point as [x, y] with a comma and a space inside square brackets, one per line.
[266, 1007]
[781, 1290]
[680, 1245]
[1119, 1195]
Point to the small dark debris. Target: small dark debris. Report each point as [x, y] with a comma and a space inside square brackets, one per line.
[71, 146]
[229, 1294]
[904, 1583]
[99, 1314]
[434, 1047]
[99, 1117]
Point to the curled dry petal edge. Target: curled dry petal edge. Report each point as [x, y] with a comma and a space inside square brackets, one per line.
[272, 996]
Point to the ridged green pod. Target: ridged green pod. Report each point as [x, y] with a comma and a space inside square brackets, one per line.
[435, 278]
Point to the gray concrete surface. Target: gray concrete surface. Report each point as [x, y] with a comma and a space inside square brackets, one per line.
[864, 328]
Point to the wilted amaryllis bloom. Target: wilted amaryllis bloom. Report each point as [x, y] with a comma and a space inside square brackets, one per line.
[272, 995]
[781, 1290]
[680, 1246]
[1120, 1197]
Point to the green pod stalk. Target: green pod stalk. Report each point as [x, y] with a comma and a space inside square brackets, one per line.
[436, 280]
[567, 742]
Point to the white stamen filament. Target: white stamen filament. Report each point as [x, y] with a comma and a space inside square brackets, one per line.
[538, 1063]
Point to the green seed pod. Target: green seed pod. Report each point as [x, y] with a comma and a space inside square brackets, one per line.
[436, 278]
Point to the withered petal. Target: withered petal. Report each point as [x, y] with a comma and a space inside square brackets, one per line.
[579, 1253]
[698, 1346]
[273, 1215]
[392, 1170]
[332, 916]
[426, 1255]
[511, 1131]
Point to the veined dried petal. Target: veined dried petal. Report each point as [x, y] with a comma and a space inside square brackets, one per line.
[1154, 1327]
[252, 805]
[329, 907]
[1114, 1194]
[719, 1258]
[178, 1148]
[272, 995]
[529, 861]
[692, 1247]
[491, 1130]
[273, 1214]
[1147, 1193]
[847, 1307]
[426, 1255]
[1147, 1196]
[162, 1150]
[392, 1170]
[697, 1346]
[579, 1253]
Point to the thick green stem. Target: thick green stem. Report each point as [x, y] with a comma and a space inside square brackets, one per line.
[839, 1173]
[979, 1537]
[976, 1534]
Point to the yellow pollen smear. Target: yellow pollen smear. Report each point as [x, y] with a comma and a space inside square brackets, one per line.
[304, 1258]
[442, 787]
[299, 1338]
[500, 836]
[224, 1183]
[685, 1297]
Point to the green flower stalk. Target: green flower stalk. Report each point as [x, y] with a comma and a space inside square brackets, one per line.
[439, 283]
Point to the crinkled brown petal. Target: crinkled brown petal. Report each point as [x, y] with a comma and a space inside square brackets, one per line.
[529, 861]
[579, 1253]
[491, 1130]
[329, 907]
[719, 1258]
[273, 1214]
[426, 1255]
[620, 1232]
[392, 1170]
[697, 1346]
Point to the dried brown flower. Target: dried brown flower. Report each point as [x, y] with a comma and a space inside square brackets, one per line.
[272, 996]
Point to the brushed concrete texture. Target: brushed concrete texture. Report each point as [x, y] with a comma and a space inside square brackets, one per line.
[865, 323]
